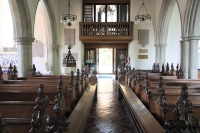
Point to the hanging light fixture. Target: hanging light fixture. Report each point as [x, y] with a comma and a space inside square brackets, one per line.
[145, 17]
[68, 17]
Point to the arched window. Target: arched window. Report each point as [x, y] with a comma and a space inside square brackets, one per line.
[8, 25]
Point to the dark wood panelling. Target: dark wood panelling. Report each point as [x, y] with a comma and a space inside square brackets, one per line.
[106, 1]
[106, 45]
[106, 39]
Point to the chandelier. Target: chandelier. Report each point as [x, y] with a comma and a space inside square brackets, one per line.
[68, 17]
[145, 17]
[110, 11]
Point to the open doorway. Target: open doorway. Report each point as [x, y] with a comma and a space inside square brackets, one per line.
[105, 60]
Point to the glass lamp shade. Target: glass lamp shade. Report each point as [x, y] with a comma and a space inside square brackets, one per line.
[64, 22]
[61, 20]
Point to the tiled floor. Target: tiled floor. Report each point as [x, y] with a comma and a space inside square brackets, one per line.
[107, 114]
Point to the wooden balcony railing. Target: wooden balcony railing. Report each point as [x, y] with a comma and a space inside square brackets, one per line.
[107, 31]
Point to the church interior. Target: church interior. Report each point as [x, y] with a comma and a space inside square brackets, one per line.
[99, 66]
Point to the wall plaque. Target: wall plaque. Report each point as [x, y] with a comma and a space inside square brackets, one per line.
[143, 37]
[37, 49]
[142, 56]
[69, 37]
[143, 50]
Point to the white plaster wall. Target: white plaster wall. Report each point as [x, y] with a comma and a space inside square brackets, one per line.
[174, 37]
[199, 57]
[39, 34]
[1, 27]
[77, 48]
[199, 62]
[133, 47]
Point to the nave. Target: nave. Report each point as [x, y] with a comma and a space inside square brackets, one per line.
[107, 114]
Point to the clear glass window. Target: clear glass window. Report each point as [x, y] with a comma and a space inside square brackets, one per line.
[123, 13]
[111, 13]
[88, 13]
[100, 13]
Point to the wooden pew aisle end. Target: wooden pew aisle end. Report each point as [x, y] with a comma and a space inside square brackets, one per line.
[143, 120]
[78, 117]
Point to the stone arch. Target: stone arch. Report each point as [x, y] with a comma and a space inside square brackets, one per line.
[21, 18]
[51, 34]
[50, 21]
[162, 30]
[191, 37]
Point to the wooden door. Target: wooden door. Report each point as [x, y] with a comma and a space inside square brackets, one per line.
[121, 57]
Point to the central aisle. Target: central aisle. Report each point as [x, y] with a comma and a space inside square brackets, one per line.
[107, 114]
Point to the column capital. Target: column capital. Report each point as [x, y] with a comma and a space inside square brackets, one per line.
[194, 37]
[185, 38]
[24, 39]
[53, 46]
[160, 45]
[163, 45]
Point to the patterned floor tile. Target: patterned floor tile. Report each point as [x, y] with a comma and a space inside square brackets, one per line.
[107, 114]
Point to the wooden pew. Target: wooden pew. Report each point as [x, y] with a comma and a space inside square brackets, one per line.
[78, 117]
[138, 111]
[149, 96]
[189, 105]
[142, 118]
[17, 114]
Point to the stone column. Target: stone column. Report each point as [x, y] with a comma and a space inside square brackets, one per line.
[185, 56]
[181, 57]
[52, 58]
[24, 53]
[193, 58]
[157, 59]
[162, 54]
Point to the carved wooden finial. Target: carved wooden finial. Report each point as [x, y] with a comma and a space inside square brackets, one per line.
[14, 75]
[77, 82]
[172, 70]
[78, 73]
[160, 91]
[10, 71]
[94, 73]
[154, 68]
[71, 87]
[158, 68]
[38, 119]
[3, 126]
[33, 71]
[163, 69]
[60, 87]
[176, 125]
[82, 78]
[184, 103]
[180, 126]
[147, 86]
[167, 69]
[57, 124]
[181, 74]
[193, 124]
[129, 68]
[71, 80]
[1, 75]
